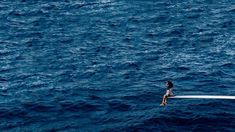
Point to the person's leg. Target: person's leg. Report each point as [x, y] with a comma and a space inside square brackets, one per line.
[163, 99]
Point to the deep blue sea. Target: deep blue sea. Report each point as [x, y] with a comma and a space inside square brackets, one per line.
[101, 65]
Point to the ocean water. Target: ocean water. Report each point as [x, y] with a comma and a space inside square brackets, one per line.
[101, 65]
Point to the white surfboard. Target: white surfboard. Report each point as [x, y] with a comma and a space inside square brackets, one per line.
[202, 97]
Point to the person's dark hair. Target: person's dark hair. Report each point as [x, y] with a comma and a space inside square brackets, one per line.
[170, 84]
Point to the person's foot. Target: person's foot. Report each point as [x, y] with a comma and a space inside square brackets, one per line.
[162, 104]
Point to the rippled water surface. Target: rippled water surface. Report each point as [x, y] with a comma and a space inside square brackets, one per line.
[100, 65]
